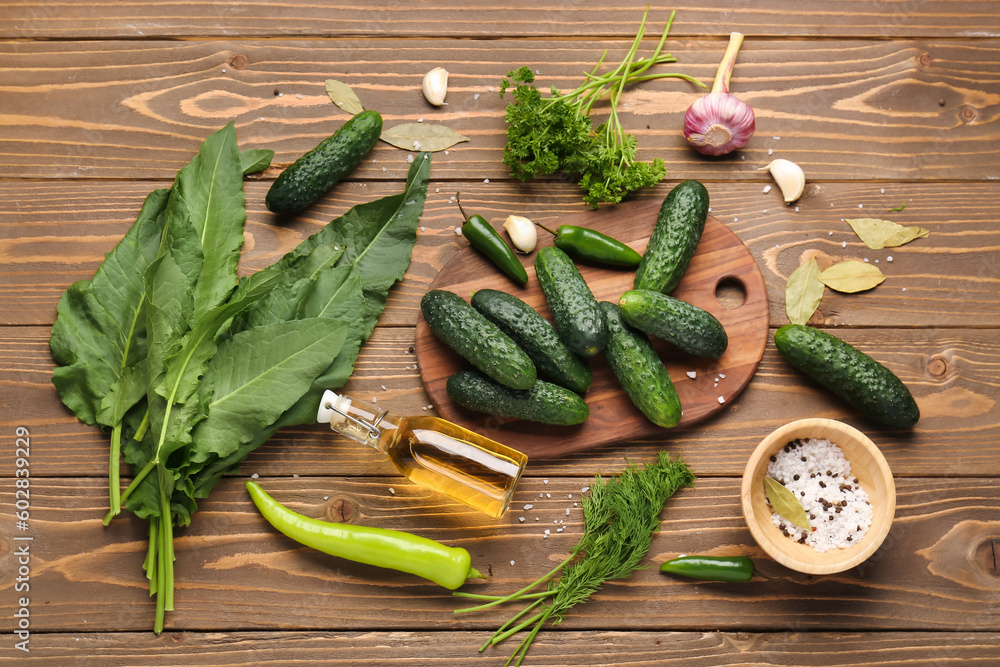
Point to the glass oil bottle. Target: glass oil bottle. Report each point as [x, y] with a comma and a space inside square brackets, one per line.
[432, 452]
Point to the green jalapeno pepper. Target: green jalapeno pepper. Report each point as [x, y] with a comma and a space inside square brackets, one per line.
[488, 241]
[444, 565]
[733, 569]
[590, 245]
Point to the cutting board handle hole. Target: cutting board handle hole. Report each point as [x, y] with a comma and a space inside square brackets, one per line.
[731, 293]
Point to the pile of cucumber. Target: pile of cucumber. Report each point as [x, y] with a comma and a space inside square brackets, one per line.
[529, 369]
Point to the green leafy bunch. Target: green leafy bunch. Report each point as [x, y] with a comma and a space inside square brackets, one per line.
[620, 518]
[555, 133]
[192, 367]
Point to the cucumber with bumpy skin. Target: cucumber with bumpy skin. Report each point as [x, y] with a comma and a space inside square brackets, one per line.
[309, 177]
[577, 316]
[544, 402]
[687, 326]
[536, 336]
[675, 237]
[639, 370]
[462, 328]
[849, 373]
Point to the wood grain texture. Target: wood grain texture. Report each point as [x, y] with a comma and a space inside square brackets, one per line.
[952, 374]
[884, 103]
[560, 648]
[236, 573]
[720, 258]
[146, 19]
[844, 109]
[55, 233]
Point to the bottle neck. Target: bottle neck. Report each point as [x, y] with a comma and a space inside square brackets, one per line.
[358, 420]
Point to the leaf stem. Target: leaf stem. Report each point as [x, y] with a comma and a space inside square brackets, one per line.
[114, 472]
[517, 595]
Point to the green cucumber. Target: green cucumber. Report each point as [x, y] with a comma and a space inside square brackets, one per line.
[675, 236]
[685, 325]
[462, 328]
[313, 174]
[849, 373]
[536, 336]
[577, 316]
[639, 370]
[545, 402]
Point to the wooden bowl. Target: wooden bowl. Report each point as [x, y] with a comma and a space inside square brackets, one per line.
[867, 464]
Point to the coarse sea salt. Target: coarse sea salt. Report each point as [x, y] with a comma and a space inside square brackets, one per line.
[819, 475]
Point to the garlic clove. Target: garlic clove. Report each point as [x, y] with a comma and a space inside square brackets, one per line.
[435, 86]
[522, 233]
[790, 178]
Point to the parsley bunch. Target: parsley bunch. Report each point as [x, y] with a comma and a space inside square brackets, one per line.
[550, 134]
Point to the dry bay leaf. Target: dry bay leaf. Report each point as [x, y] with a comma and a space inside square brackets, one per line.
[422, 137]
[343, 96]
[851, 276]
[784, 502]
[878, 233]
[803, 292]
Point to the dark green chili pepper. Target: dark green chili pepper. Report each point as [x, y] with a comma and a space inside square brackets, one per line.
[733, 569]
[590, 245]
[488, 241]
[444, 565]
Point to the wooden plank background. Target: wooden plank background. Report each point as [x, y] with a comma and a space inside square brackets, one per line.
[882, 103]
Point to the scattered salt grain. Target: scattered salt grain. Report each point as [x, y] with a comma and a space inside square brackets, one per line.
[384, 168]
[831, 234]
[298, 96]
[545, 481]
[722, 399]
[476, 96]
[528, 506]
[567, 511]
[486, 180]
[767, 188]
[889, 258]
[560, 529]
[447, 152]
[458, 231]
[223, 70]
[692, 374]
[861, 205]
[844, 244]
[548, 495]
[392, 490]
[423, 229]
[409, 159]
[420, 120]
[254, 476]
[326, 497]
[883, 190]
[866, 260]
[569, 495]
[521, 519]
[585, 489]
[512, 562]
[722, 375]
[770, 151]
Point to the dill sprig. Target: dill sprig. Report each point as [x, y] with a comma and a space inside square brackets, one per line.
[620, 517]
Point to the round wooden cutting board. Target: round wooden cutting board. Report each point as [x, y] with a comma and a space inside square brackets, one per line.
[721, 266]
